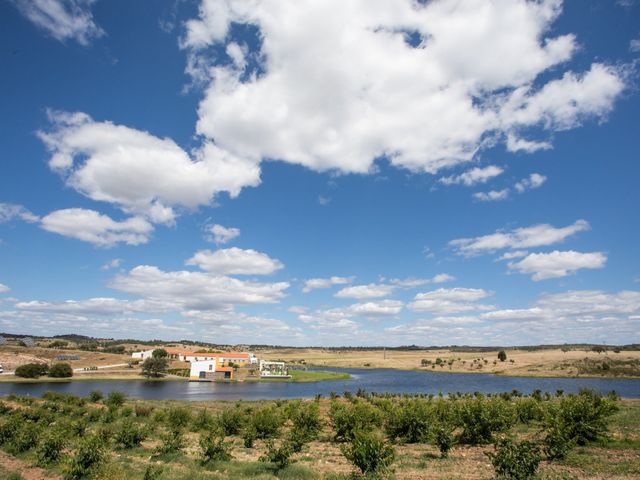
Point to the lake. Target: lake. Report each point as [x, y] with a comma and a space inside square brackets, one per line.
[371, 380]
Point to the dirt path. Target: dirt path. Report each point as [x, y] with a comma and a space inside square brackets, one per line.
[14, 465]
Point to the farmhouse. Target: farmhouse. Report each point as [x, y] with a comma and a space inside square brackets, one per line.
[209, 370]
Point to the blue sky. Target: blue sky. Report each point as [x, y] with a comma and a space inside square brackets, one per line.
[270, 172]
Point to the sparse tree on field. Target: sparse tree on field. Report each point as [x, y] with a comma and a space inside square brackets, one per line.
[154, 367]
[502, 355]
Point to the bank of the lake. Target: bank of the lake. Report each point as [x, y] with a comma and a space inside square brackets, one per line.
[372, 380]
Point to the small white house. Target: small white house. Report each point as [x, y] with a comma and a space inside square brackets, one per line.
[209, 370]
[142, 355]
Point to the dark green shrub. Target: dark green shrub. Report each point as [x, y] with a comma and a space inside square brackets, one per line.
[178, 418]
[213, 448]
[557, 442]
[248, 436]
[95, 396]
[115, 399]
[25, 438]
[89, 455]
[528, 409]
[159, 353]
[170, 442]
[231, 421]
[61, 370]
[31, 370]
[306, 421]
[153, 472]
[410, 421]
[502, 355]
[266, 422]
[515, 461]
[347, 418]
[442, 434]
[205, 421]
[129, 435]
[279, 456]
[50, 447]
[369, 452]
[481, 417]
[582, 417]
[9, 428]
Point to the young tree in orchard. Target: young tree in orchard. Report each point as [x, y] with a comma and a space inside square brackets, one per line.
[502, 355]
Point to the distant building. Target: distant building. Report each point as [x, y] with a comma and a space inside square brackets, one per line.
[273, 369]
[237, 358]
[27, 341]
[208, 371]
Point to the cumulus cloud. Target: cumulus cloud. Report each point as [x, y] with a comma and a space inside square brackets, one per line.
[371, 290]
[473, 176]
[138, 172]
[99, 306]
[445, 301]
[62, 19]
[196, 290]
[221, 235]
[96, 228]
[535, 180]
[520, 238]
[634, 45]
[382, 308]
[314, 283]
[235, 261]
[492, 195]
[4, 288]
[557, 264]
[425, 85]
[11, 211]
[417, 282]
[111, 264]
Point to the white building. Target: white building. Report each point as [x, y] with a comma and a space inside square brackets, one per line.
[209, 370]
[142, 355]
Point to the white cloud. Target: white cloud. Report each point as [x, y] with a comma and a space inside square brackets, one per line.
[634, 45]
[445, 301]
[442, 278]
[520, 238]
[9, 211]
[515, 144]
[338, 91]
[4, 288]
[93, 306]
[492, 195]
[473, 176]
[417, 282]
[371, 290]
[558, 264]
[115, 263]
[235, 261]
[514, 254]
[221, 235]
[324, 200]
[382, 308]
[196, 290]
[62, 19]
[138, 172]
[535, 180]
[313, 283]
[96, 228]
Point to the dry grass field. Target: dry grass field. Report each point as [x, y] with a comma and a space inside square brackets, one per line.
[538, 363]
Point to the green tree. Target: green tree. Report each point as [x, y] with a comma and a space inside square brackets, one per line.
[154, 367]
[159, 353]
[502, 355]
[61, 370]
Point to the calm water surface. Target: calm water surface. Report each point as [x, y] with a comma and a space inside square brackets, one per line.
[371, 380]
